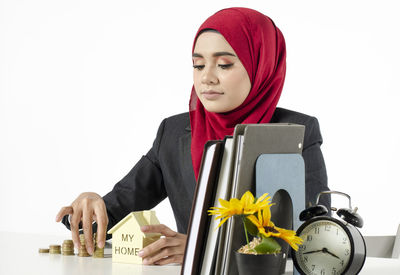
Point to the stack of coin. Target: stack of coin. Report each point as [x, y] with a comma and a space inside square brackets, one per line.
[55, 249]
[98, 252]
[68, 247]
[82, 252]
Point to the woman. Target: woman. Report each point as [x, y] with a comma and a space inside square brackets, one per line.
[239, 62]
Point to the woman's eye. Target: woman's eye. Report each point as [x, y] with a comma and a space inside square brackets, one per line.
[198, 67]
[225, 66]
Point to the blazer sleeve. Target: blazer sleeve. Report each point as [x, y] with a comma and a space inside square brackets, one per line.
[141, 189]
[315, 172]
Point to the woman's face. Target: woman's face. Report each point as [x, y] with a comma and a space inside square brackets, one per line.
[220, 79]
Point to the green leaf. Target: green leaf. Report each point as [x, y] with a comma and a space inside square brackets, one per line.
[268, 246]
[251, 228]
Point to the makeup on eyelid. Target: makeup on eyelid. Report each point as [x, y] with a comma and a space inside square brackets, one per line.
[225, 60]
[220, 62]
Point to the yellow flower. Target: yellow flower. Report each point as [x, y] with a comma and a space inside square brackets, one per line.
[267, 228]
[244, 206]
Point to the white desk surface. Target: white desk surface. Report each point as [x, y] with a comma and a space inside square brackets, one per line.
[19, 255]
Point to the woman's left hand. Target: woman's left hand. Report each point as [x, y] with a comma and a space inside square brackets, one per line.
[168, 249]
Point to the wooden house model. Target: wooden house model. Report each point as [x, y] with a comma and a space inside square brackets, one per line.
[128, 239]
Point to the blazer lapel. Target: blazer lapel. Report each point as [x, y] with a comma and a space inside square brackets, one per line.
[187, 171]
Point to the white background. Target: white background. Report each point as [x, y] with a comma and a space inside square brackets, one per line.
[85, 84]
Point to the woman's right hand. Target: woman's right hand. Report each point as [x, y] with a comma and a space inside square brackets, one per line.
[86, 208]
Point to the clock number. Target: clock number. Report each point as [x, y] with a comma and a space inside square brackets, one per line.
[347, 252]
[313, 267]
[334, 272]
[316, 230]
[309, 238]
[344, 240]
[337, 231]
[322, 271]
[342, 262]
[328, 227]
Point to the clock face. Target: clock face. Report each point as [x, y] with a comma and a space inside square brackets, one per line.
[326, 249]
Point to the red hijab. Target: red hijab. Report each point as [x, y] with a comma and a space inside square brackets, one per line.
[260, 46]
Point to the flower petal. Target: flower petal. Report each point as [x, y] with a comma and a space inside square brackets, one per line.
[266, 216]
[247, 198]
[254, 220]
[290, 237]
[261, 199]
[224, 203]
[222, 222]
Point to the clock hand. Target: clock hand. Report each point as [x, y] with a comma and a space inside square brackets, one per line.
[325, 250]
[314, 251]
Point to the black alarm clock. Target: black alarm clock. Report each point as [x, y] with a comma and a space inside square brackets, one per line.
[331, 246]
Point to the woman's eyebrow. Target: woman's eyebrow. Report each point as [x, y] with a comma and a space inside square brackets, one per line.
[216, 54]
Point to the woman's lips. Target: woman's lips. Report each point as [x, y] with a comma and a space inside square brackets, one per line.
[211, 95]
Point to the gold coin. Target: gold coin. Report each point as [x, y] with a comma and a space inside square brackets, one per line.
[98, 252]
[55, 252]
[83, 255]
[44, 250]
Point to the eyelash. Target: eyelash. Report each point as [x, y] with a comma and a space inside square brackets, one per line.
[198, 67]
[222, 66]
[225, 66]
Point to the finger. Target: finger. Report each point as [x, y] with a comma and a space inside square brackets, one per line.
[102, 222]
[67, 210]
[170, 260]
[158, 228]
[74, 225]
[158, 246]
[87, 220]
[163, 253]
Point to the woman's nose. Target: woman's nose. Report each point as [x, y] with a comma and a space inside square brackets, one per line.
[209, 76]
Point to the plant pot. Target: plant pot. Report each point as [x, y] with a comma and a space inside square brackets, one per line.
[250, 264]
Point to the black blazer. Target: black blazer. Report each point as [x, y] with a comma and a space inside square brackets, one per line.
[166, 170]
